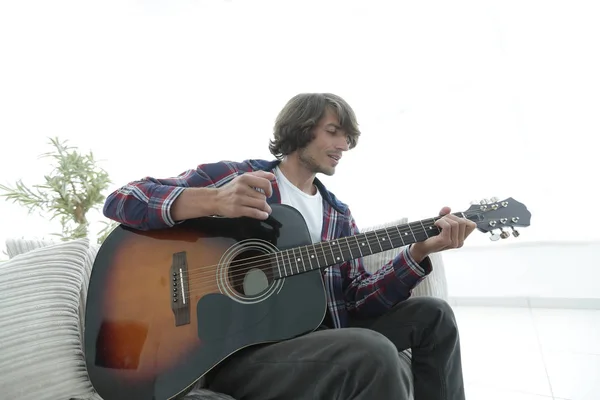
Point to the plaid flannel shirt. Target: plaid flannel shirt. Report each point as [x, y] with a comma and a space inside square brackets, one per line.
[351, 290]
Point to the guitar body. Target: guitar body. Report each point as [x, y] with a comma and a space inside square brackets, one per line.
[165, 307]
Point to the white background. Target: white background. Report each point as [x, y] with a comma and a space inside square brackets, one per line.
[456, 100]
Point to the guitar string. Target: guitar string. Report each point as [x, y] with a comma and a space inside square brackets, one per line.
[405, 228]
[289, 257]
[267, 261]
[305, 250]
[232, 279]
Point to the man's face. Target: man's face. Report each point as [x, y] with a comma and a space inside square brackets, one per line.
[325, 151]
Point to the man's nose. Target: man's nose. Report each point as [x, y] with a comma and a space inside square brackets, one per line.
[343, 144]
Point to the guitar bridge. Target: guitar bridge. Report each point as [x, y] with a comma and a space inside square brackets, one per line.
[180, 298]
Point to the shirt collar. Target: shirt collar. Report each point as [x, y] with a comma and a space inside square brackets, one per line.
[326, 194]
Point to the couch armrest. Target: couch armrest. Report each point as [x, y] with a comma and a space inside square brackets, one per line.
[433, 285]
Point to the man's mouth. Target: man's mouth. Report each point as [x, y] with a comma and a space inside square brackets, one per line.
[335, 157]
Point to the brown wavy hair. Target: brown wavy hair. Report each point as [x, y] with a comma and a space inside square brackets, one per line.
[294, 125]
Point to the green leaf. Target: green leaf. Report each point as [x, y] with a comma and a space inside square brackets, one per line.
[70, 190]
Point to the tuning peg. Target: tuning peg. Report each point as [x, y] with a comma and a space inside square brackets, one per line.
[494, 237]
[483, 202]
[505, 235]
[516, 233]
[494, 199]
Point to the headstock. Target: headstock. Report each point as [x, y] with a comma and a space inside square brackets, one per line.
[499, 218]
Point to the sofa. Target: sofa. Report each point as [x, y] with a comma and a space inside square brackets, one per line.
[43, 290]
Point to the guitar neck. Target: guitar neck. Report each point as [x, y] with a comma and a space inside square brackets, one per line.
[324, 254]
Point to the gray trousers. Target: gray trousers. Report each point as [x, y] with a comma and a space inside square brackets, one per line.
[358, 362]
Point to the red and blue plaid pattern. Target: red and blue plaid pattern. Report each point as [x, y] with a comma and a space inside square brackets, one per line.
[145, 204]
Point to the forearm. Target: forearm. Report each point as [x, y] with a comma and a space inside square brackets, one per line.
[417, 253]
[195, 203]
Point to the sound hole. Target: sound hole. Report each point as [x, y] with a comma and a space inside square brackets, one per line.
[251, 273]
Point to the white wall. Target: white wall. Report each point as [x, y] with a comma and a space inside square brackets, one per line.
[530, 270]
[457, 101]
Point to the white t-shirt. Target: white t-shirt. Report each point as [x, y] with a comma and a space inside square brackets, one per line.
[310, 206]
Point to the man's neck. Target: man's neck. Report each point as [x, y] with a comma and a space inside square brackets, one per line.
[298, 175]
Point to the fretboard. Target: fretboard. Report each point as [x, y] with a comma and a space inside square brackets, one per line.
[324, 254]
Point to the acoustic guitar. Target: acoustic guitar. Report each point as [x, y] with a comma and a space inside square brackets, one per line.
[164, 307]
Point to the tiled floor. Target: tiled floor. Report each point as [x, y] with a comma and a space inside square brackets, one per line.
[530, 354]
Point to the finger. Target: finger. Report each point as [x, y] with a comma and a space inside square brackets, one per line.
[245, 196]
[258, 203]
[258, 182]
[445, 210]
[254, 213]
[462, 228]
[453, 217]
[455, 232]
[446, 232]
[458, 229]
[470, 227]
[262, 174]
[252, 192]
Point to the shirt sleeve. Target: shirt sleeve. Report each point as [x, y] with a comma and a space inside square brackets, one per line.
[146, 204]
[371, 294]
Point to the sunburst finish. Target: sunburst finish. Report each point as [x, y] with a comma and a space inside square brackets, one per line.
[134, 348]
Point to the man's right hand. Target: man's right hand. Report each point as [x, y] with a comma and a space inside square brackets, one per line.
[239, 198]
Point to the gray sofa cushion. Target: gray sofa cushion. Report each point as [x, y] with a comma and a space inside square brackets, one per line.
[41, 354]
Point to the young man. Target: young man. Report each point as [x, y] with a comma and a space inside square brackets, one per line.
[371, 317]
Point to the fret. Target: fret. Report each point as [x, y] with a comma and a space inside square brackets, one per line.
[367, 242]
[358, 245]
[424, 229]
[284, 262]
[400, 234]
[295, 261]
[277, 262]
[302, 259]
[377, 240]
[320, 254]
[327, 254]
[389, 238]
[395, 241]
[336, 257]
[346, 250]
[419, 236]
[385, 242]
[290, 261]
[299, 259]
[413, 234]
[406, 233]
[310, 256]
[433, 230]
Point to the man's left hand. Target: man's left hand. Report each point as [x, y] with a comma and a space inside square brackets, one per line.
[454, 231]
